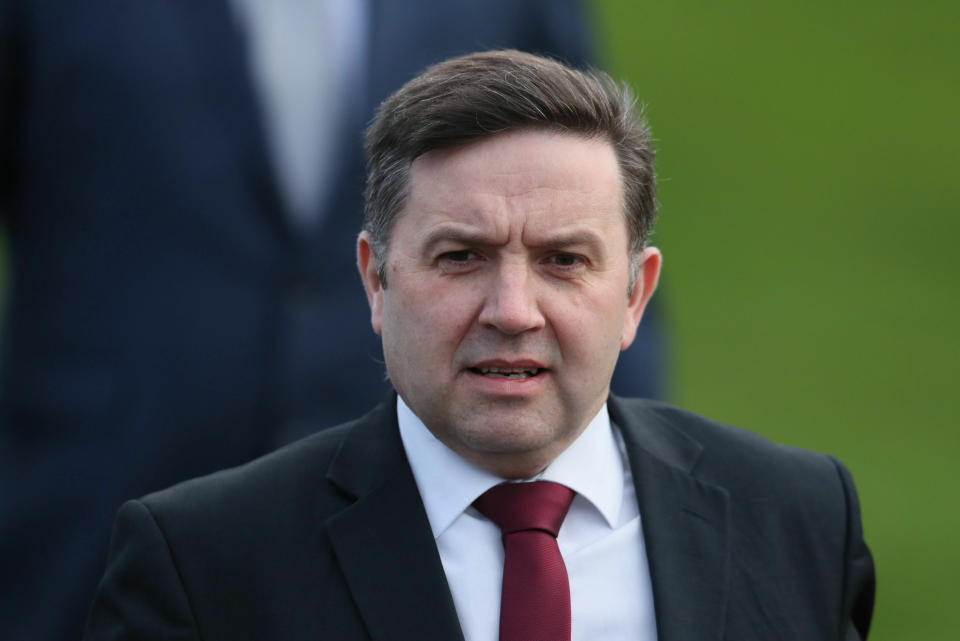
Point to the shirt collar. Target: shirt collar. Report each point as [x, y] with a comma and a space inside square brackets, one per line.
[592, 466]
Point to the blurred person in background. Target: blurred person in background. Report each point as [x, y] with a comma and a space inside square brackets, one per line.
[180, 185]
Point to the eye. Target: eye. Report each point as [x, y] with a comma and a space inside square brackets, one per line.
[458, 261]
[458, 256]
[566, 261]
[565, 264]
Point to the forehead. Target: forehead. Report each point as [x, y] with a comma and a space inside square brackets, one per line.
[521, 160]
[533, 175]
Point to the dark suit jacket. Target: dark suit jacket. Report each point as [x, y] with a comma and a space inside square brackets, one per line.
[163, 320]
[328, 539]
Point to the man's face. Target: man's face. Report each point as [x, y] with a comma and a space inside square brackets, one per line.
[506, 303]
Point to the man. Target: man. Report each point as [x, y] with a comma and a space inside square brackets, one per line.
[179, 189]
[504, 258]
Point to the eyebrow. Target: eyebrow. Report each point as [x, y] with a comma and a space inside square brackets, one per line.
[572, 238]
[456, 234]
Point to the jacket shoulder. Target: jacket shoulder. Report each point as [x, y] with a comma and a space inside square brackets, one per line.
[285, 490]
[740, 460]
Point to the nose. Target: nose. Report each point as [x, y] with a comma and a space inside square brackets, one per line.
[511, 305]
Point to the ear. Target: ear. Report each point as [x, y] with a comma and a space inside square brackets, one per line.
[647, 276]
[371, 280]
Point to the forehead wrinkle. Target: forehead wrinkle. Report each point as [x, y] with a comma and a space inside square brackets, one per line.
[491, 218]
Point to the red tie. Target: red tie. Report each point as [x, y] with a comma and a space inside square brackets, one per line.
[535, 598]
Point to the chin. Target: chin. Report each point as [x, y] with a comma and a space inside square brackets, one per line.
[508, 438]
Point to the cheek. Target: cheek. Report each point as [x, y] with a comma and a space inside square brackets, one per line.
[428, 317]
[591, 324]
[589, 342]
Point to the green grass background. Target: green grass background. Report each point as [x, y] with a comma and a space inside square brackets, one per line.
[807, 161]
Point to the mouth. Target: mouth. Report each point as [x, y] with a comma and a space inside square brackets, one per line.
[508, 372]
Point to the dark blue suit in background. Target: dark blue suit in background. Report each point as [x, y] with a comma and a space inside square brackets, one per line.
[163, 317]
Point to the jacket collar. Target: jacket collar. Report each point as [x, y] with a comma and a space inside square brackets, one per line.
[686, 523]
[383, 540]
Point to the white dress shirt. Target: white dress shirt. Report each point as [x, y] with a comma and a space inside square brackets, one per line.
[308, 66]
[601, 540]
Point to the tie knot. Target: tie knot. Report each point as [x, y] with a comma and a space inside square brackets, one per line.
[514, 507]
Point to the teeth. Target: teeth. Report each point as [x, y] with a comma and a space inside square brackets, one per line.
[498, 372]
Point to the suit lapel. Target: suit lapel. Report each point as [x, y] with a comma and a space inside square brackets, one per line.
[386, 550]
[383, 541]
[686, 526]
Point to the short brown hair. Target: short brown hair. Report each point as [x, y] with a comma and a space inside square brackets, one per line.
[487, 93]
